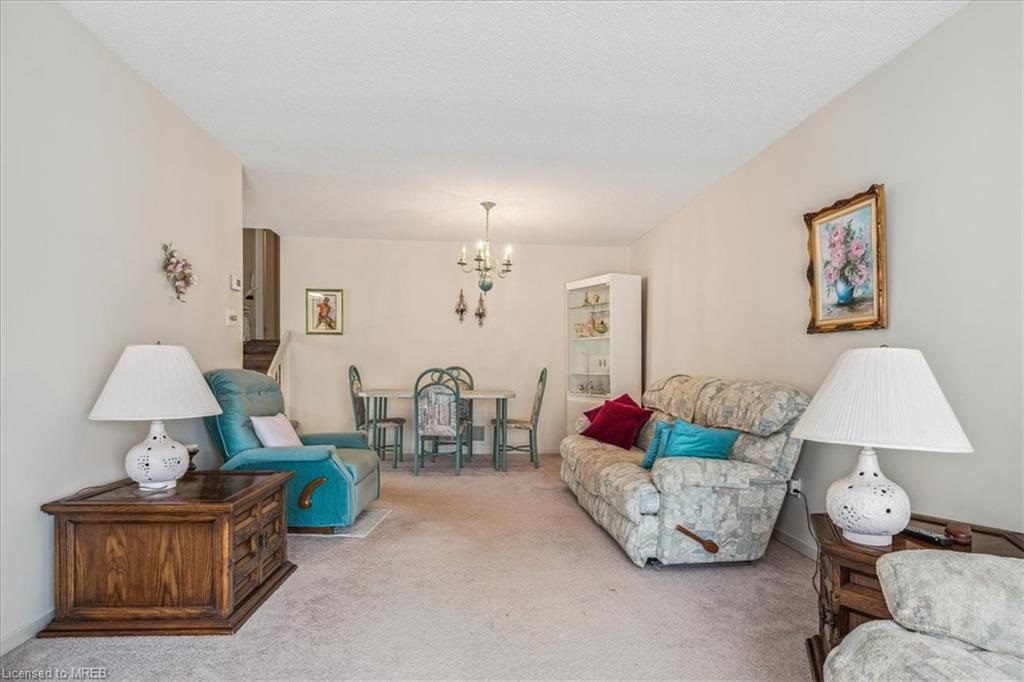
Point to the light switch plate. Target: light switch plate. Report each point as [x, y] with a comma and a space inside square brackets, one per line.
[230, 318]
[235, 282]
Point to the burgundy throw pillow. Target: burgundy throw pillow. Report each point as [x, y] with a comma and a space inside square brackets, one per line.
[617, 424]
[623, 399]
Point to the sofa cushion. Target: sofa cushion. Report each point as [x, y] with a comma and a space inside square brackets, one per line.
[612, 474]
[757, 407]
[673, 476]
[882, 650]
[679, 395]
[276, 431]
[242, 394]
[976, 598]
[693, 440]
[359, 462]
[618, 424]
[657, 445]
[643, 439]
[624, 399]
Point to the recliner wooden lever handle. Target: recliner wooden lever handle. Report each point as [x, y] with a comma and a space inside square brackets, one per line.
[306, 496]
[709, 545]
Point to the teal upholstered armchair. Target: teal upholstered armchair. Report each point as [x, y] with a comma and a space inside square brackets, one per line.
[336, 474]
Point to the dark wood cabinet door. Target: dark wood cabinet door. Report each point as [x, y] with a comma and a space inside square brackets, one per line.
[120, 569]
[246, 552]
[274, 534]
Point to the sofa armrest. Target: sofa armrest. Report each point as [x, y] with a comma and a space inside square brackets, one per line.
[257, 456]
[975, 598]
[355, 440]
[673, 475]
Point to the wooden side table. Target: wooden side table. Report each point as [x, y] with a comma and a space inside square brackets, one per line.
[849, 592]
[198, 559]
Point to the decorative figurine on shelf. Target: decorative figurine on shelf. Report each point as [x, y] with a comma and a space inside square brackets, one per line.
[597, 299]
[590, 327]
[580, 388]
[481, 311]
[586, 298]
[461, 308]
[601, 327]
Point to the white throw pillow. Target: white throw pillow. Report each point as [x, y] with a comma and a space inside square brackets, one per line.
[276, 432]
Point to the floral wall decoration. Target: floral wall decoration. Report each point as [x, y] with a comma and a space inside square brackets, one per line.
[178, 271]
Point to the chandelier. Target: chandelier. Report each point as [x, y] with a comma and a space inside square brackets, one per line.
[484, 265]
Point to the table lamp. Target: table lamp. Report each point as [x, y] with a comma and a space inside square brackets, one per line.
[878, 398]
[154, 384]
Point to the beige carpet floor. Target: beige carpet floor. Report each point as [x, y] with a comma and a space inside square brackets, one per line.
[489, 575]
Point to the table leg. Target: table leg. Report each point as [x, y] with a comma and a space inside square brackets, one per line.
[371, 423]
[503, 433]
[504, 425]
[384, 430]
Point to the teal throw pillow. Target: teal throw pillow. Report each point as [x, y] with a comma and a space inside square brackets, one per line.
[658, 441]
[689, 440]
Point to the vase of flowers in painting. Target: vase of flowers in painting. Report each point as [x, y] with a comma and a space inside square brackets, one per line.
[847, 264]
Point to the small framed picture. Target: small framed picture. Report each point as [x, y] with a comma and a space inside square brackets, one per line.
[325, 311]
[846, 244]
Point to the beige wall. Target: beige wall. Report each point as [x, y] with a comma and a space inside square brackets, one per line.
[399, 320]
[940, 125]
[98, 169]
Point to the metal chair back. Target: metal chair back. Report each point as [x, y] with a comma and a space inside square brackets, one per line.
[355, 385]
[462, 377]
[538, 397]
[436, 401]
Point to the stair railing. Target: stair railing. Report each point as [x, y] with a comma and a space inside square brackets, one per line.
[278, 370]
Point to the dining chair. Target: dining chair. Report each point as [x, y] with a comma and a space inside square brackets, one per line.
[380, 426]
[465, 380]
[524, 425]
[436, 415]
[462, 377]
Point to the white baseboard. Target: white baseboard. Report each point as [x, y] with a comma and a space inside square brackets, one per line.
[16, 638]
[799, 544]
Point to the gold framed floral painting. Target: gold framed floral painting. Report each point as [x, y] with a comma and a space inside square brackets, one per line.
[846, 244]
[325, 311]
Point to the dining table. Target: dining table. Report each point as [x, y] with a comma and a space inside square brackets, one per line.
[378, 403]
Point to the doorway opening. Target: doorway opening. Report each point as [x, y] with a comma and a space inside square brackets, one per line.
[261, 316]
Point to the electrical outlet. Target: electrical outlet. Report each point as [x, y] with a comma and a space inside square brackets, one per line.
[793, 486]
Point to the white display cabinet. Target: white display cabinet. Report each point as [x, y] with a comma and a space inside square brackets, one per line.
[603, 340]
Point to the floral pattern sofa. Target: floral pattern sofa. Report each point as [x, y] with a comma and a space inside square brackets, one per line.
[955, 617]
[734, 501]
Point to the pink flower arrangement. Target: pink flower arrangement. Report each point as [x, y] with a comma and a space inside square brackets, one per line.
[178, 271]
[848, 259]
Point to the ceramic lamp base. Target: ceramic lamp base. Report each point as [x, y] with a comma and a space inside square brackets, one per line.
[157, 462]
[866, 505]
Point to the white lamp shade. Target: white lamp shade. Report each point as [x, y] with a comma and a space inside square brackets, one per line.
[882, 398]
[155, 383]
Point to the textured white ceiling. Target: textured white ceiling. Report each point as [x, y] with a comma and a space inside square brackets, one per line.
[588, 123]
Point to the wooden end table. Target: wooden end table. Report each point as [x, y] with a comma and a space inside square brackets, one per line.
[849, 592]
[198, 559]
